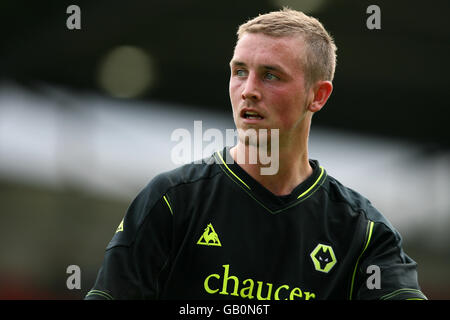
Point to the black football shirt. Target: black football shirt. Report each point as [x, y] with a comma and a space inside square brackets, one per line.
[210, 231]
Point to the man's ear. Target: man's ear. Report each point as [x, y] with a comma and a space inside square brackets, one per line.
[321, 92]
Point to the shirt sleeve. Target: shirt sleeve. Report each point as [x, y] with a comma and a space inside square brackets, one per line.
[138, 251]
[386, 272]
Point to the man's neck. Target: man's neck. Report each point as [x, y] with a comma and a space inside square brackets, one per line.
[293, 168]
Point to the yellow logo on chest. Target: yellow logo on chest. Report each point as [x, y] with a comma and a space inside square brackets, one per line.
[209, 237]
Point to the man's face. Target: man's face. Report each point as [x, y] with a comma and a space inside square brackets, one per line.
[267, 85]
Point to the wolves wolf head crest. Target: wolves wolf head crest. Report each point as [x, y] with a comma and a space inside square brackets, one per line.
[323, 258]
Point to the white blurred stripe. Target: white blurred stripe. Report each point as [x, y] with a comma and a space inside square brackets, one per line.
[114, 147]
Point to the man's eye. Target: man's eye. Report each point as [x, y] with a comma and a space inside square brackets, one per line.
[241, 73]
[270, 76]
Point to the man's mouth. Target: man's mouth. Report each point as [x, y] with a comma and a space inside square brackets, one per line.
[251, 115]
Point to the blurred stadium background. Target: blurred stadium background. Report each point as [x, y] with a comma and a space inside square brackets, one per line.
[86, 118]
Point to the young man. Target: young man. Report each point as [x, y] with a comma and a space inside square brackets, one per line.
[224, 230]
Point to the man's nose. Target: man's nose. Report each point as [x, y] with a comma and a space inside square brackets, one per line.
[251, 89]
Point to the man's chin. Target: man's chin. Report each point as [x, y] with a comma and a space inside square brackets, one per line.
[252, 137]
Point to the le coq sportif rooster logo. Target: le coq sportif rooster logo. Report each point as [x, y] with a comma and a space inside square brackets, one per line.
[209, 237]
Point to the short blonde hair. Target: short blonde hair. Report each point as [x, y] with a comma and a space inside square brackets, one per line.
[320, 60]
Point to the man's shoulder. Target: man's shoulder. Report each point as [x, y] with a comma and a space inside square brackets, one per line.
[157, 201]
[184, 174]
[359, 204]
